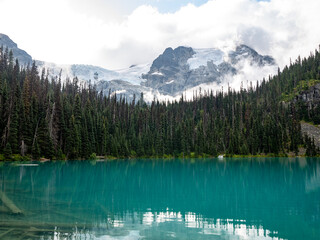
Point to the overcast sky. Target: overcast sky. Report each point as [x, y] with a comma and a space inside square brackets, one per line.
[116, 34]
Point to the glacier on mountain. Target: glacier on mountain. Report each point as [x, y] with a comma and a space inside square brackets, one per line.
[205, 55]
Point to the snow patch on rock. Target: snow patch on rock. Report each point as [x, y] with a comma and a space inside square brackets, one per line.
[170, 82]
[157, 73]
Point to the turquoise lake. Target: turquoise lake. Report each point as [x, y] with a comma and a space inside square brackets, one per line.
[258, 198]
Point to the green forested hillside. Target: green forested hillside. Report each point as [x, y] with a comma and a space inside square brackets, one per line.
[40, 117]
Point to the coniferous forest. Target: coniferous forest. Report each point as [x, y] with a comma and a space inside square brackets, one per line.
[59, 118]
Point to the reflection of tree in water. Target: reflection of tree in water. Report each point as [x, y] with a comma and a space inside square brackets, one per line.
[313, 183]
[262, 192]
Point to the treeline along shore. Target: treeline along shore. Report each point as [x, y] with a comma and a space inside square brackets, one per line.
[62, 119]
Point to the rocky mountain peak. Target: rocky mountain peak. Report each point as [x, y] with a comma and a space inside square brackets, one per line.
[172, 58]
[243, 51]
[176, 70]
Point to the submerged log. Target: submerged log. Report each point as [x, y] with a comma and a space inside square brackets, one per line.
[4, 209]
[6, 232]
[40, 226]
[27, 230]
[9, 204]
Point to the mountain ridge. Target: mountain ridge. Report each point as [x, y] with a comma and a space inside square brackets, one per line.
[23, 57]
[174, 72]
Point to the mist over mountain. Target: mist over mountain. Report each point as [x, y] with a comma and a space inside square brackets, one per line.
[178, 71]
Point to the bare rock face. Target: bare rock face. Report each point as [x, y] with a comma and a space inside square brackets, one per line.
[23, 57]
[312, 131]
[168, 72]
[310, 97]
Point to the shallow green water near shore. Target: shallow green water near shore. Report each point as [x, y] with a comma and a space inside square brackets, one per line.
[264, 198]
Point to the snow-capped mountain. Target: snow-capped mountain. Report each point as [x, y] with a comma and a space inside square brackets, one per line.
[94, 74]
[126, 82]
[178, 71]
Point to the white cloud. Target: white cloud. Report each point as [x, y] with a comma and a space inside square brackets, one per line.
[51, 31]
[57, 31]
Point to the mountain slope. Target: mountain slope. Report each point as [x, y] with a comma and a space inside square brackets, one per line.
[23, 57]
[312, 132]
[94, 74]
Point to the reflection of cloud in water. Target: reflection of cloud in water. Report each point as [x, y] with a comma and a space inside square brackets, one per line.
[313, 183]
[133, 235]
[169, 224]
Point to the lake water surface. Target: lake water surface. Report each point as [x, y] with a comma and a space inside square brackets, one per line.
[271, 198]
